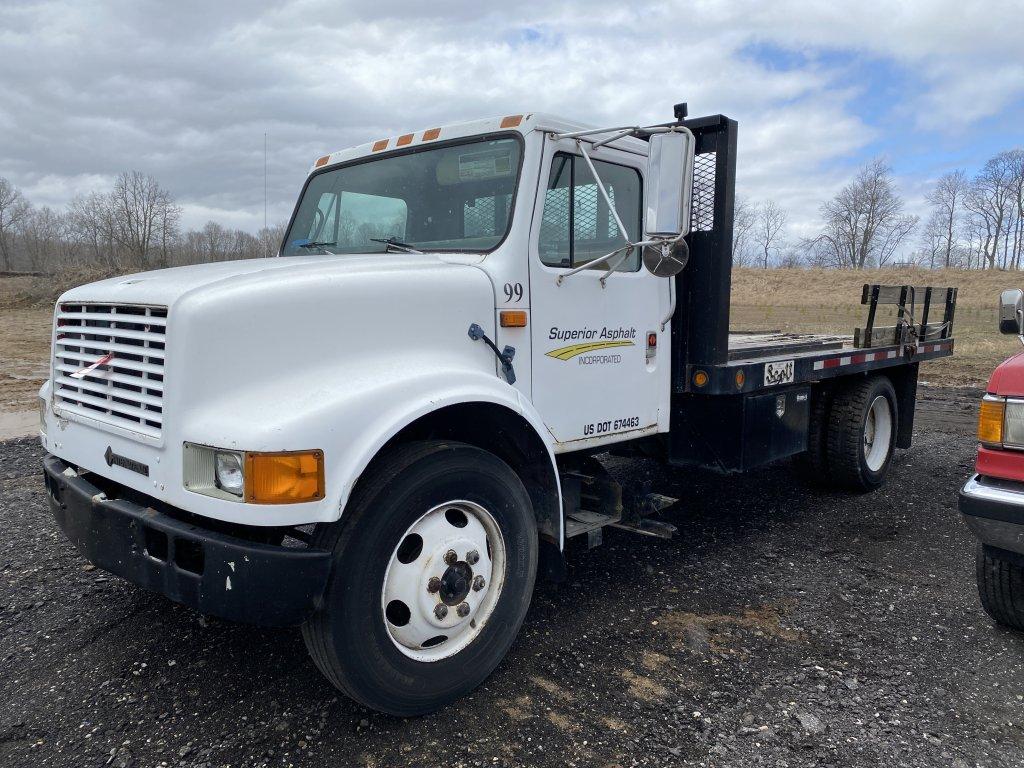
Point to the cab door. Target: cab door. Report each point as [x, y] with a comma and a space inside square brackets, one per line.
[600, 357]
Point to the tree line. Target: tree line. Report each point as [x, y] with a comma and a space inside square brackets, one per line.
[972, 223]
[135, 225]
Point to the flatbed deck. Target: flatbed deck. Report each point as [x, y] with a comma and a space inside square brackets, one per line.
[747, 345]
[766, 359]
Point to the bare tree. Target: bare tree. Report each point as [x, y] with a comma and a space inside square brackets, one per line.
[1015, 165]
[744, 218]
[13, 209]
[934, 242]
[791, 258]
[272, 236]
[41, 232]
[990, 201]
[771, 220]
[146, 218]
[92, 223]
[216, 242]
[864, 223]
[947, 199]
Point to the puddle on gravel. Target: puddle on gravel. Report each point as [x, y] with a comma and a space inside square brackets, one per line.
[714, 631]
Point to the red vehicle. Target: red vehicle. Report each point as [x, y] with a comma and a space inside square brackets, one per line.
[992, 501]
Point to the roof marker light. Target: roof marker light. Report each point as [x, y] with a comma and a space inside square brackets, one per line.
[511, 121]
[379, 145]
[431, 134]
[403, 140]
[322, 161]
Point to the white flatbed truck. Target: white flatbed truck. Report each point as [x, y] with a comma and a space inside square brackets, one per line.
[382, 433]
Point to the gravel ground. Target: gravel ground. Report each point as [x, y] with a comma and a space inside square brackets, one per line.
[784, 626]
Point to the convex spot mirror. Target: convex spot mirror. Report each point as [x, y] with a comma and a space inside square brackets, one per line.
[666, 259]
[1011, 311]
[668, 184]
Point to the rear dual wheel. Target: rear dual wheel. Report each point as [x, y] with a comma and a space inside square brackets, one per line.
[852, 434]
[434, 565]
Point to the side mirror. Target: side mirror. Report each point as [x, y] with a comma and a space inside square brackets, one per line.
[1011, 311]
[668, 184]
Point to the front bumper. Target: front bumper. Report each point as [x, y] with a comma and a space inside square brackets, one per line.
[994, 511]
[213, 572]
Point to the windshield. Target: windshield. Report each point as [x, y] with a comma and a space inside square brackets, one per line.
[447, 198]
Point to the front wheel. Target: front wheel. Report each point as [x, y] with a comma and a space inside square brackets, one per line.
[1001, 585]
[434, 565]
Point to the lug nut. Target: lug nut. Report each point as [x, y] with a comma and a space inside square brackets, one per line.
[478, 583]
[450, 557]
[434, 585]
[472, 557]
[463, 609]
[441, 611]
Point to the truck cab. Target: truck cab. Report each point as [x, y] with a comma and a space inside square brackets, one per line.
[992, 500]
[379, 434]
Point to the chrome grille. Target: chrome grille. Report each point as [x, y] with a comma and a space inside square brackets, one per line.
[127, 389]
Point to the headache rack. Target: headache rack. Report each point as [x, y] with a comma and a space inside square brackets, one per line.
[708, 360]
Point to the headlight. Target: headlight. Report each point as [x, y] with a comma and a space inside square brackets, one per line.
[229, 474]
[1013, 424]
[285, 477]
[1001, 422]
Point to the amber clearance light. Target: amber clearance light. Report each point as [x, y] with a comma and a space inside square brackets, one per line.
[284, 478]
[990, 420]
[513, 318]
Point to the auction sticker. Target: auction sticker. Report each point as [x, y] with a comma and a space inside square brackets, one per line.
[778, 372]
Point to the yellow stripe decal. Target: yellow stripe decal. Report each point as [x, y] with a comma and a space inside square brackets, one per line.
[564, 353]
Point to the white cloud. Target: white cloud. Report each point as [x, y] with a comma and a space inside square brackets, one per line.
[186, 90]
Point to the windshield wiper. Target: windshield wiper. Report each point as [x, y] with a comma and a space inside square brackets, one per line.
[314, 244]
[394, 242]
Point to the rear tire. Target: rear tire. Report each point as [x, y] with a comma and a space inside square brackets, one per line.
[862, 434]
[376, 636]
[1001, 585]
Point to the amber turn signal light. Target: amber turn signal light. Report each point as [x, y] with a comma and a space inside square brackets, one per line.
[284, 478]
[513, 318]
[990, 421]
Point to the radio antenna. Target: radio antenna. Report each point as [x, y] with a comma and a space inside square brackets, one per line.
[266, 234]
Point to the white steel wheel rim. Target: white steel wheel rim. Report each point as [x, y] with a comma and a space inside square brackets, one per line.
[434, 607]
[877, 433]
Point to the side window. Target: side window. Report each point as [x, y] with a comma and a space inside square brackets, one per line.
[577, 226]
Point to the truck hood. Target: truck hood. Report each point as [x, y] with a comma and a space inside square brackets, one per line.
[167, 286]
[1008, 378]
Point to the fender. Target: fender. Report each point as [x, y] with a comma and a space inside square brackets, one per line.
[350, 423]
[411, 398]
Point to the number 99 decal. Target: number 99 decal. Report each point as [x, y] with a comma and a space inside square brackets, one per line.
[514, 292]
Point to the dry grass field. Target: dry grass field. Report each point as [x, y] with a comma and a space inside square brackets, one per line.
[828, 301]
[794, 300]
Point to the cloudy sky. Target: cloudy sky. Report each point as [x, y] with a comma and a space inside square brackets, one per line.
[186, 90]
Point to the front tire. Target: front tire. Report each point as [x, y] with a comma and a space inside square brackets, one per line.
[1001, 585]
[434, 564]
[862, 434]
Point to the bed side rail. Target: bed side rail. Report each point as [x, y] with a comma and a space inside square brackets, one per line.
[915, 307]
